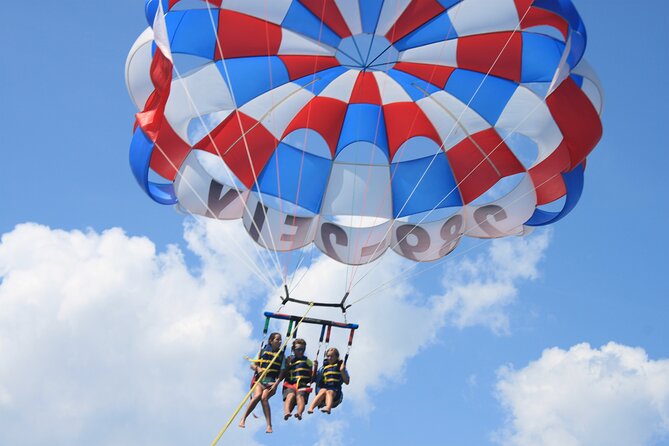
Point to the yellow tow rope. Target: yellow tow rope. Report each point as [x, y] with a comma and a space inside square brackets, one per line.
[260, 378]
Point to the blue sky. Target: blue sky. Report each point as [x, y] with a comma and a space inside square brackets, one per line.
[596, 277]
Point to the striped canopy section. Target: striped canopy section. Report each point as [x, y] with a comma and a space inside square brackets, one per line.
[365, 125]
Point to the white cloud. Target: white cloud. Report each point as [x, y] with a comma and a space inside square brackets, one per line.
[399, 322]
[104, 341]
[331, 433]
[613, 396]
[99, 333]
[479, 290]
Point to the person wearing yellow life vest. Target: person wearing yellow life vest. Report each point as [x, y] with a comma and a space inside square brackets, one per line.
[297, 380]
[271, 359]
[329, 382]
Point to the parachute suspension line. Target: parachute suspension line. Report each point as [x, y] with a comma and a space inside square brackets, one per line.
[357, 243]
[260, 378]
[275, 256]
[478, 88]
[440, 262]
[286, 264]
[350, 269]
[283, 265]
[299, 178]
[199, 197]
[401, 151]
[248, 262]
[251, 265]
[311, 255]
[444, 259]
[440, 148]
[441, 201]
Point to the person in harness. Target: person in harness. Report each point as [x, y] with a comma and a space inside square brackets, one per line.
[297, 382]
[329, 382]
[270, 359]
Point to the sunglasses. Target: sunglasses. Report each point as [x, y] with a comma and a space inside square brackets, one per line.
[298, 349]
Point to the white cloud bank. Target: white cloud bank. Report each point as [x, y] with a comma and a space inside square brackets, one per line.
[99, 333]
[613, 396]
[400, 321]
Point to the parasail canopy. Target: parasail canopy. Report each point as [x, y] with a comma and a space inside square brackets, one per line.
[363, 126]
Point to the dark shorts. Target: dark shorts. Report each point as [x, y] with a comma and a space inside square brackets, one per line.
[338, 397]
[305, 391]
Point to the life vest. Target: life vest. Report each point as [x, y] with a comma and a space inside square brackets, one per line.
[299, 372]
[266, 361]
[331, 376]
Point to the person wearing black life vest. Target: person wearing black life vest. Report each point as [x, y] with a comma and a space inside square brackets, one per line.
[329, 381]
[297, 380]
[264, 387]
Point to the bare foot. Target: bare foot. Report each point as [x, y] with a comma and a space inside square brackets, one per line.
[298, 416]
[268, 430]
[241, 424]
[286, 416]
[325, 410]
[310, 411]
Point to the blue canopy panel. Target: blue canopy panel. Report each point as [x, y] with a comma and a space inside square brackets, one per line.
[578, 34]
[448, 3]
[573, 181]
[364, 122]
[302, 21]
[578, 80]
[141, 149]
[414, 86]
[370, 11]
[541, 57]
[320, 79]
[295, 176]
[486, 95]
[151, 7]
[192, 32]
[438, 29]
[249, 77]
[436, 190]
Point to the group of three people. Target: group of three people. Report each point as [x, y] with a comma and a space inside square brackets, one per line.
[296, 371]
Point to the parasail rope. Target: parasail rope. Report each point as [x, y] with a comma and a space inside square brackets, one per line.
[293, 286]
[239, 193]
[352, 269]
[248, 262]
[437, 263]
[275, 256]
[299, 179]
[413, 122]
[260, 378]
[441, 201]
[192, 188]
[252, 264]
[455, 125]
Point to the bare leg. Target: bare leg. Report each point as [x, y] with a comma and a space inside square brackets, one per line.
[257, 393]
[288, 405]
[264, 401]
[329, 400]
[317, 400]
[300, 405]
